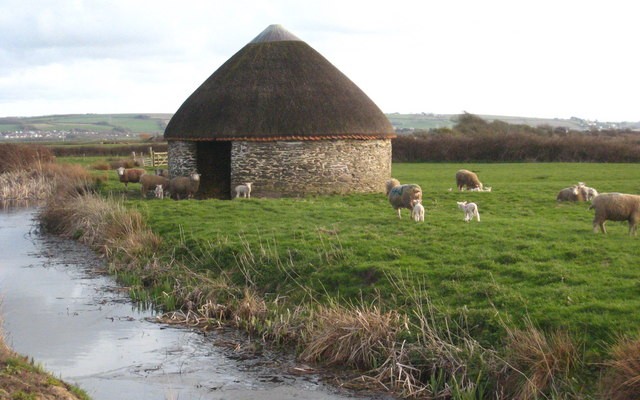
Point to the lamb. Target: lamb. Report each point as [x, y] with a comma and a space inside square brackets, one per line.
[402, 196]
[159, 192]
[244, 190]
[129, 175]
[470, 210]
[417, 212]
[616, 207]
[468, 179]
[150, 181]
[184, 186]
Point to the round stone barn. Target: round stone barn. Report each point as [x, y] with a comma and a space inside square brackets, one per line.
[279, 115]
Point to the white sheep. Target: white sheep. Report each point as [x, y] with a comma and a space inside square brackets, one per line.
[468, 179]
[616, 207]
[402, 196]
[573, 193]
[470, 210]
[244, 190]
[417, 212]
[159, 192]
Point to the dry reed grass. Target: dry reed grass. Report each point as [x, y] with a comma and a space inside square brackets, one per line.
[540, 364]
[622, 378]
[354, 336]
[104, 224]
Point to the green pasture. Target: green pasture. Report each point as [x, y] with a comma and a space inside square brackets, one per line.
[529, 255]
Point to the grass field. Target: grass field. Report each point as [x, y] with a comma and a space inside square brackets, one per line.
[528, 257]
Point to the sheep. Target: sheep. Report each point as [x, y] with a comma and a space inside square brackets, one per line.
[577, 192]
[402, 196]
[162, 172]
[129, 175]
[468, 179]
[591, 193]
[150, 181]
[616, 207]
[470, 210]
[417, 212]
[244, 190]
[159, 192]
[184, 186]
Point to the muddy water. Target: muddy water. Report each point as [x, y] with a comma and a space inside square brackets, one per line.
[82, 327]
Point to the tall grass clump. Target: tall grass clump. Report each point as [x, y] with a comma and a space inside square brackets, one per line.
[355, 336]
[622, 378]
[540, 364]
[15, 157]
[104, 224]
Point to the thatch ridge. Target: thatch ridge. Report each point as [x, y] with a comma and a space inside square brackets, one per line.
[276, 89]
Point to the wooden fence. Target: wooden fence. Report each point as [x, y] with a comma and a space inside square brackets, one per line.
[154, 159]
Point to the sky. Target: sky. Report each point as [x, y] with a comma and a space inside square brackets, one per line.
[533, 58]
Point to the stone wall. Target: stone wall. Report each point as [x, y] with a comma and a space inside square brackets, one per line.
[291, 169]
[182, 158]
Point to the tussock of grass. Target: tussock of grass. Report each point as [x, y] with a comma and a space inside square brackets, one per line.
[104, 224]
[355, 336]
[541, 364]
[622, 381]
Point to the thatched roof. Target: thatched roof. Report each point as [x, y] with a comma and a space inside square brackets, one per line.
[278, 88]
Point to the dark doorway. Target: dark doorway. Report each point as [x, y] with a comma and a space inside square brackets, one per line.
[214, 166]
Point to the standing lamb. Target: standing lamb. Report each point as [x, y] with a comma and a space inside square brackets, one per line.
[470, 210]
[150, 182]
[159, 192]
[129, 175]
[182, 187]
[244, 190]
[417, 212]
[402, 196]
[468, 179]
[616, 207]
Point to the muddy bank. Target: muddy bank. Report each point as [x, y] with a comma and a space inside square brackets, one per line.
[59, 308]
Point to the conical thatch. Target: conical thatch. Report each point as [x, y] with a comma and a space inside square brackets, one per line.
[277, 87]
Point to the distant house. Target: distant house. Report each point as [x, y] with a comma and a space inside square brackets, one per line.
[281, 116]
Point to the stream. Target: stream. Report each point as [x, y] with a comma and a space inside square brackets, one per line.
[59, 308]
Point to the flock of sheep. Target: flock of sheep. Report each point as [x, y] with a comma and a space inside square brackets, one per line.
[607, 206]
[179, 187]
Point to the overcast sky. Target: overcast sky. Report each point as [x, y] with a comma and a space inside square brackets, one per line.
[538, 58]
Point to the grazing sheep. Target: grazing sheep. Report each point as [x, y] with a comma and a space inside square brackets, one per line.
[159, 192]
[244, 190]
[184, 186]
[417, 212]
[129, 175]
[150, 181]
[468, 179]
[577, 192]
[616, 207]
[402, 196]
[470, 210]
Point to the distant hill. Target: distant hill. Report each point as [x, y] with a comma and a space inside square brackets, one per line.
[409, 122]
[144, 125]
